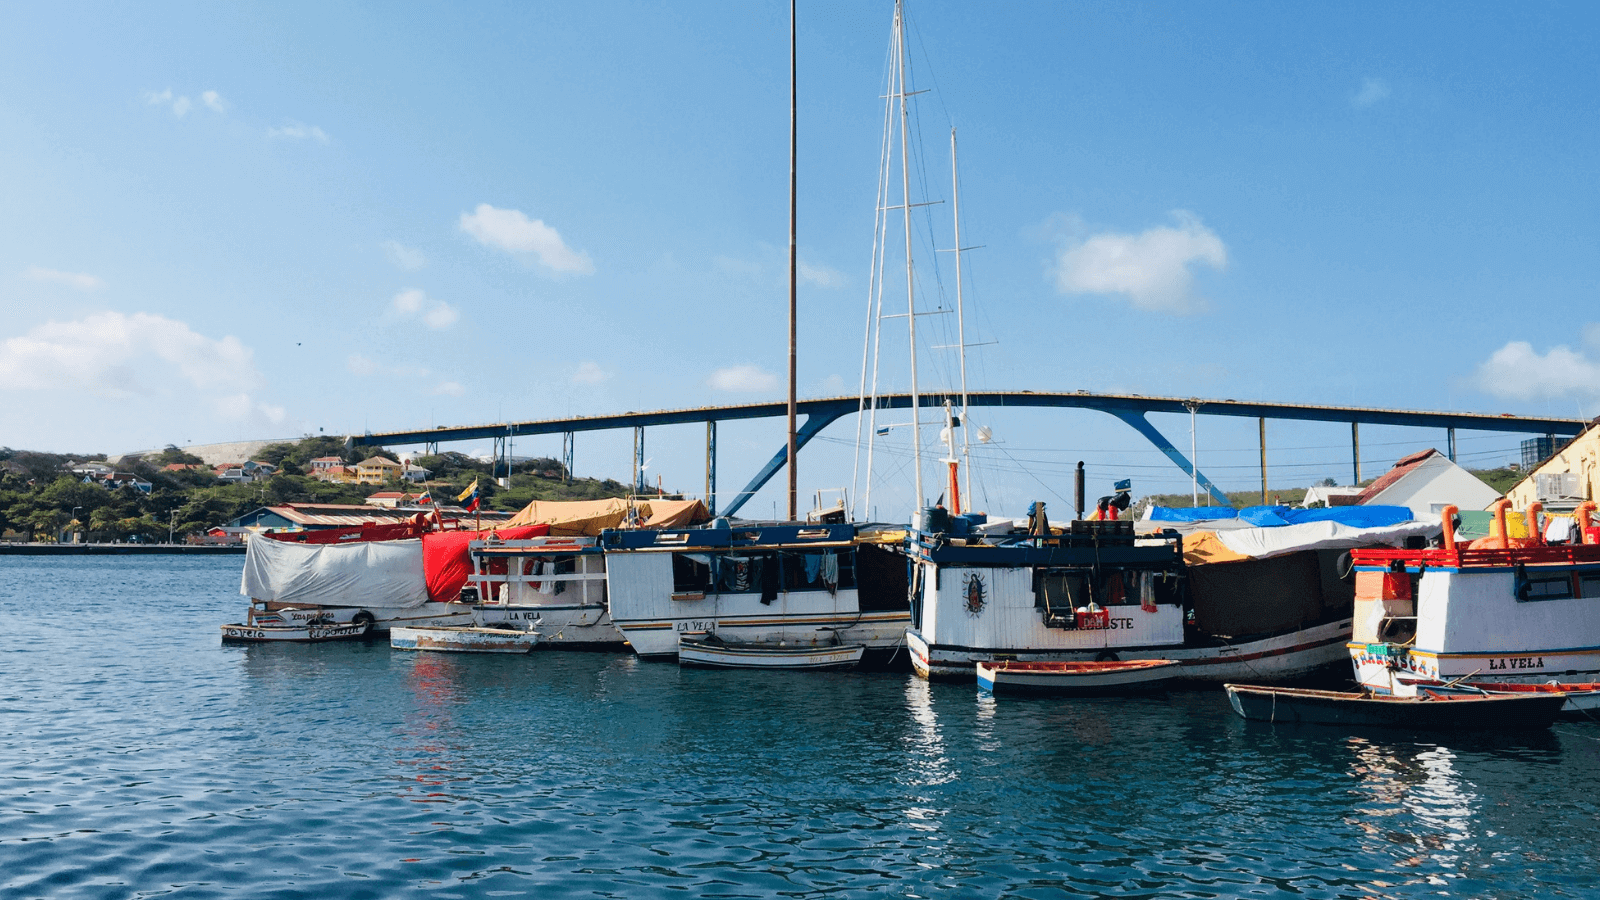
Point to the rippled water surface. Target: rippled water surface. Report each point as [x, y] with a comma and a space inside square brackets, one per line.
[140, 757]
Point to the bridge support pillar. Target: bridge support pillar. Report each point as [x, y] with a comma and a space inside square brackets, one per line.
[638, 459]
[1355, 452]
[711, 466]
[813, 425]
[1450, 441]
[1139, 423]
[567, 440]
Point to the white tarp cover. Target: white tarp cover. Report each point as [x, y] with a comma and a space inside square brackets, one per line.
[384, 574]
[1262, 543]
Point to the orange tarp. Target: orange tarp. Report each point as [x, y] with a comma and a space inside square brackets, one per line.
[1203, 547]
[570, 518]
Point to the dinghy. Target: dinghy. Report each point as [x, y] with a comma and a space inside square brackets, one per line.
[1107, 677]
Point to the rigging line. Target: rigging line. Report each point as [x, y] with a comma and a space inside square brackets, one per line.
[874, 277]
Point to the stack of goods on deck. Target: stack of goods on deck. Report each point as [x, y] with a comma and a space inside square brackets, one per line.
[1267, 568]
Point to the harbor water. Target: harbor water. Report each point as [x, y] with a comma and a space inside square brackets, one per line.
[140, 757]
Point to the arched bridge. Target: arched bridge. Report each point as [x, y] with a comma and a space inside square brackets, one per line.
[1130, 408]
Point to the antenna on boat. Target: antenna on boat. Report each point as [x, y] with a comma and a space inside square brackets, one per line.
[793, 268]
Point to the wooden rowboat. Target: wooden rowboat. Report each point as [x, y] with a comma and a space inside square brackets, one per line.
[709, 651]
[1082, 678]
[1582, 697]
[294, 632]
[462, 639]
[1427, 710]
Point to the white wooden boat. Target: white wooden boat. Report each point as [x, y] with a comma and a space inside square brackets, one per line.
[757, 583]
[1582, 697]
[710, 651]
[1522, 613]
[459, 639]
[1106, 677]
[560, 582]
[312, 632]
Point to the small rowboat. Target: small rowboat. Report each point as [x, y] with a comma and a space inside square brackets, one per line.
[296, 632]
[1108, 677]
[709, 651]
[462, 639]
[1427, 710]
[1582, 697]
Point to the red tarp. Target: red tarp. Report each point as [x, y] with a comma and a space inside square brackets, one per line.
[446, 564]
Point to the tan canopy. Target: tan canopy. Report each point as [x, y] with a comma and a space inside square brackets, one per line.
[590, 517]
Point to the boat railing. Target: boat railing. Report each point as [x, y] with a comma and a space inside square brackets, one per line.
[1461, 557]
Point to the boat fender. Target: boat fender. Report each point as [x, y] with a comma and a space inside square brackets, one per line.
[1345, 567]
[1107, 656]
[362, 618]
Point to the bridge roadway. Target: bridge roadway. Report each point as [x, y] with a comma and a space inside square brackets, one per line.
[1130, 408]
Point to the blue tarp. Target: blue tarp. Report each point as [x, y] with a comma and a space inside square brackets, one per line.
[1197, 514]
[1273, 516]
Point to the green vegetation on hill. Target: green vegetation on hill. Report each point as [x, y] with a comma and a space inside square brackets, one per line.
[1502, 480]
[40, 497]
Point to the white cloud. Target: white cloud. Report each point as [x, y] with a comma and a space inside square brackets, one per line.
[403, 257]
[442, 315]
[414, 304]
[214, 101]
[1517, 372]
[821, 276]
[743, 380]
[299, 131]
[178, 105]
[590, 373]
[241, 408]
[1151, 269]
[1372, 91]
[513, 232]
[449, 389]
[79, 280]
[117, 355]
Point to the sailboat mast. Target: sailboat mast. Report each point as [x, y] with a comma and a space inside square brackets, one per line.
[961, 318]
[905, 193]
[793, 266]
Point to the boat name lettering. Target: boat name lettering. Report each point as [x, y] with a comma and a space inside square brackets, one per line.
[244, 633]
[1110, 625]
[1517, 662]
[695, 625]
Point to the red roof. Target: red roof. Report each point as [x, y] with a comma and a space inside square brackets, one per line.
[1400, 470]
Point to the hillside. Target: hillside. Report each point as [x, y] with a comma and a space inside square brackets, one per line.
[1501, 480]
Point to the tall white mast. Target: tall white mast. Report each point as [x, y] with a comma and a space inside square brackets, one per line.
[911, 305]
[961, 318]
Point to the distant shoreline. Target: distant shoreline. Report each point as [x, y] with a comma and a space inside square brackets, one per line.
[22, 549]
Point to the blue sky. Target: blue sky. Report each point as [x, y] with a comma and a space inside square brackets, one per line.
[241, 221]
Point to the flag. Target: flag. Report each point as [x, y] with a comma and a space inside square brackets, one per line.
[425, 499]
[469, 497]
[1125, 484]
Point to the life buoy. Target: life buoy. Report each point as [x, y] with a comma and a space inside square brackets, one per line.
[1345, 567]
[363, 618]
[1107, 656]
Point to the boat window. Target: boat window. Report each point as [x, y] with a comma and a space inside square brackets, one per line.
[1589, 584]
[1061, 591]
[691, 573]
[818, 570]
[1532, 589]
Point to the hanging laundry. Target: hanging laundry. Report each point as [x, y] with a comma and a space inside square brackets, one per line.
[829, 571]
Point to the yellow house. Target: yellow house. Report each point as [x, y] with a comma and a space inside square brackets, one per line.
[1564, 480]
[377, 470]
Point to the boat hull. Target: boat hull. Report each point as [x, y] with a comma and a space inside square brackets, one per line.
[1498, 712]
[463, 639]
[303, 633]
[1284, 656]
[726, 655]
[1076, 679]
[569, 627]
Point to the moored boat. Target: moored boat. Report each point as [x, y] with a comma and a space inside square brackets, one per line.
[756, 583]
[1507, 608]
[1582, 697]
[558, 581]
[463, 639]
[1431, 711]
[711, 651]
[311, 632]
[1078, 678]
